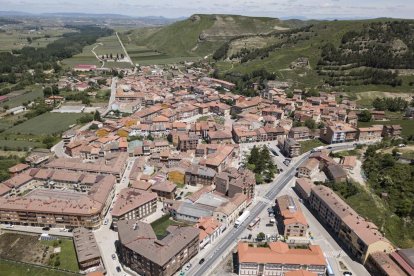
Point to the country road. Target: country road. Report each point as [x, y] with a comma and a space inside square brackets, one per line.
[125, 51]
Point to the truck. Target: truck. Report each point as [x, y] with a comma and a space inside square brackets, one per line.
[241, 219]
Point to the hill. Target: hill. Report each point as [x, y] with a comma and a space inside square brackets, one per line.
[357, 55]
[201, 35]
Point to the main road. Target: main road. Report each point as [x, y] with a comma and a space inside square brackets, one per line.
[216, 254]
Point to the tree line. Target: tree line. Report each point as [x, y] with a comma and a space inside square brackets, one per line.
[19, 61]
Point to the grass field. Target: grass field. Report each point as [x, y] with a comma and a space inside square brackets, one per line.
[28, 249]
[26, 95]
[160, 225]
[310, 144]
[15, 269]
[46, 124]
[68, 259]
[407, 125]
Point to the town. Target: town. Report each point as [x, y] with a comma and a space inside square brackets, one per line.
[177, 175]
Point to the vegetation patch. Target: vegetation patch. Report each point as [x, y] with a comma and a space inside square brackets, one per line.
[46, 124]
[28, 249]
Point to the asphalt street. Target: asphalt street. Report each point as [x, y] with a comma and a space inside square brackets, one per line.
[231, 238]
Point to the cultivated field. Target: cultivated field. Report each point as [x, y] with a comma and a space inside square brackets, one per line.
[46, 124]
[17, 39]
[28, 249]
[17, 98]
[104, 46]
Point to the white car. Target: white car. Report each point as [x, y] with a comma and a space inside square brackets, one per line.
[9, 225]
[106, 222]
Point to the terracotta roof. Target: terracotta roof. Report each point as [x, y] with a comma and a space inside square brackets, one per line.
[279, 253]
[18, 168]
[142, 239]
[130, 199]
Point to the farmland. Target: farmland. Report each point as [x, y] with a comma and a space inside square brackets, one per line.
[18, 38]
[19, 97]
[104, 46]
[45, 124]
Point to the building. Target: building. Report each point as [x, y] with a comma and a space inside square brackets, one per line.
[303, 187]
[164, 189]
[382, 264]
[292, 220]
[370, 133]
[230, 211]
[199, 175]
[210, 230]
[60, 208]
[338, 132]
[231, 182]
[84, 67]
[309, 168]
[219, 137]
[141, 250]
[187, 141]
[361, 237]
[289, 147]
[278, 259]
[87, 250]
[299, 133]
[391, 131]
[133, 204]
[335, 173]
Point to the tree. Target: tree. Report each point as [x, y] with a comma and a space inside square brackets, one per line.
[365, 116]
[47, 92]
[97, 116]
[48, 141]
[310, 123]
[261, 236]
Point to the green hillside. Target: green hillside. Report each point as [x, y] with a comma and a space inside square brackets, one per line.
[197, 36]
[341, 55]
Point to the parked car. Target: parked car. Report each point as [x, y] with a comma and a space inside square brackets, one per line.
[201, 261]
[329, 147]
[9, 225]
[347, 273]
[113, 256]
[106, 221]
[46, 228]
[118, 269]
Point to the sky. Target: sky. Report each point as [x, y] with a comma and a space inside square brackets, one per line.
[310, 9]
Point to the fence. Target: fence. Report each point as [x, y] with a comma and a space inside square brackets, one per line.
[40, 266]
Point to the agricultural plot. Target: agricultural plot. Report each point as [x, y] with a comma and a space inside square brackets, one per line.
[17, 98]
[46, 124]
[104, 46]
[17, 39]
[28, 249]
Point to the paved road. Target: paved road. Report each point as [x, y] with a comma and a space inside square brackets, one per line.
[125, 51]
[231, 238]
[112, 97]
[105, 237]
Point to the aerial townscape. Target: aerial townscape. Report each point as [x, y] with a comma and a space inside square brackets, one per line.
[185, 143]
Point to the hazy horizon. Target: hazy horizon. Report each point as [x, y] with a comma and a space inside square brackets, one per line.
[310, 9]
